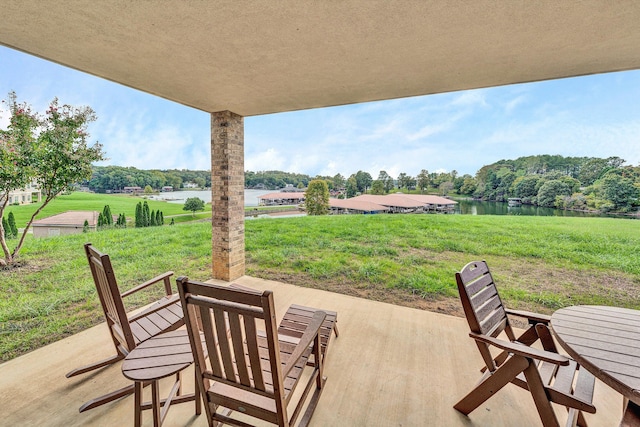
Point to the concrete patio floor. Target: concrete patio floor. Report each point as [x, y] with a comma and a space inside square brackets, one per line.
[391, 365]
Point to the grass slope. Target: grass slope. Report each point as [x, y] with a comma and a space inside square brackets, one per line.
[540, 263]
[79, 201]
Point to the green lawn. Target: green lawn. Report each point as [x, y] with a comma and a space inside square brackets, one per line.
[539, 263]
[78, 201]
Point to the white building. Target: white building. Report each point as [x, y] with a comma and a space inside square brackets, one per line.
[30, 194]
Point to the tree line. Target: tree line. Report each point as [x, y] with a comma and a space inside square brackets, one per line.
[115, 178]
[580, 183]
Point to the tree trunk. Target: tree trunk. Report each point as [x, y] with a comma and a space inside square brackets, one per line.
[3, 242]
[26, 228]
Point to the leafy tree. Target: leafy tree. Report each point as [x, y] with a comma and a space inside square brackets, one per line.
[148, 189]
[411, 183]
[595, 169]
[146, 215]
[152, 219]
[446, 187]
[352, 186]
[338, 181]
[458, 182]
[423, 180]
[158, 217]
[193, 204]
[526, 186]
[468, 186]
[316, 198]
[402, 180]
[50, 149]
[161, 218]
[139, 220]
[363, 181]
[550, 190]
[619, 191]
[387, 181]
[107, 217]
[121, 221]
[377, 187]
[6, 229]
[11, 221]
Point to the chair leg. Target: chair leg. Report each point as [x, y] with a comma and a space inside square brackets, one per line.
[540, 397]
[631, 417]
[106, 362]
[491, 384]
[109, 397]
[313, 402]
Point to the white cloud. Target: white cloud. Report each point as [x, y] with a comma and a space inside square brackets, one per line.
[511, 105]
[440, 127]
[270, 159]
[470, 98]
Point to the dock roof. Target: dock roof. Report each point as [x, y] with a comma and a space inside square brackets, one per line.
[282, 195]
[357, 205]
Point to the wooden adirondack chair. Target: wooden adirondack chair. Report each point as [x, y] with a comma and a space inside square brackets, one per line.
[296, 320]
[127, 331]
[549, 376]
[246, 371]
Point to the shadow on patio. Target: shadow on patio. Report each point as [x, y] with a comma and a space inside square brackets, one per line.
[391, 365]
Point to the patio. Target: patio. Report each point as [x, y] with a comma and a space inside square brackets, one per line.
[391, 365]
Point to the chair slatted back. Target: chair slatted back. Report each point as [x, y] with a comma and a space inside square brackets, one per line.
[482, 305]
[230, 319]
[110, 298]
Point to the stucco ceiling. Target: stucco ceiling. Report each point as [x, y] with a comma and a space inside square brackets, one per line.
[266, 56]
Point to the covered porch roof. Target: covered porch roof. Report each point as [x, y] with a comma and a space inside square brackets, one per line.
[391, 365]
[263, 57]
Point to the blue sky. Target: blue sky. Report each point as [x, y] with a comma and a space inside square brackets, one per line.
[595, 116]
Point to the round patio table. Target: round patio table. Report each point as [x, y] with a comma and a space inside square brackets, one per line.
[162, 356]
[605, 341]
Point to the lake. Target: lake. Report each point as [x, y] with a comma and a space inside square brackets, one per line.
[476, 207]
[464, 207]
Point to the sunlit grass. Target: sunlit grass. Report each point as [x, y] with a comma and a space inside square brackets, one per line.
[538, 262]
[79, 201]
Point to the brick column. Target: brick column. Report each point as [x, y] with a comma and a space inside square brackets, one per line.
[227, 195]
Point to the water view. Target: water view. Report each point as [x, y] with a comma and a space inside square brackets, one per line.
[475, 207]
[464, 207]
[250, 196]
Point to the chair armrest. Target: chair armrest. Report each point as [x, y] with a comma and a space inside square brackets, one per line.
[149, 283]
[536, 317]
[312, 330]
[522, 350]
[164, 302]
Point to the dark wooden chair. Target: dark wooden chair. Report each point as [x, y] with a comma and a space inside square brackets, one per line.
[127, 331]
[245, 371]
[549, 376]
[296, 320]
[631, 415]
